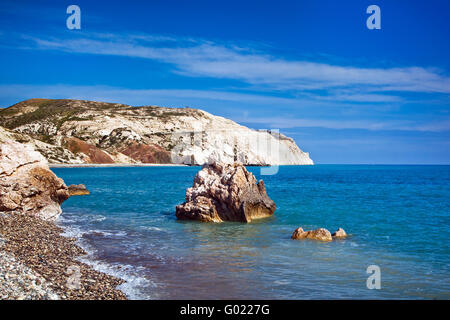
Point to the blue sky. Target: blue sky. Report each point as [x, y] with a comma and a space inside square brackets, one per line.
[312, 69]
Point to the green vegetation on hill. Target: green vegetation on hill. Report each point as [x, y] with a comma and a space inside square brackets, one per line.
[52, 110]
[58, 111]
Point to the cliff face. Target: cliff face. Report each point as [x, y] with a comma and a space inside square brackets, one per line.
[26, 183]
[78, 131]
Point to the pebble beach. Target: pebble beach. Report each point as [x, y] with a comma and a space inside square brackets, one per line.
[37, 262]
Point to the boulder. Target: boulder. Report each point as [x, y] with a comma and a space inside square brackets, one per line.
[26, 183]
[320, 234]
[339, 234]
[225, 192]
[78, 190]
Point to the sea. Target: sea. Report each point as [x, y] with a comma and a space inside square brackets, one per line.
[397, 218]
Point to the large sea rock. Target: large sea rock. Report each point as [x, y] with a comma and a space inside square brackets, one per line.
[26, 183]
[225, 192]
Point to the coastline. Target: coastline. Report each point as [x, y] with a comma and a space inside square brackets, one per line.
[37, 261]
[112, 165]
[128, 165]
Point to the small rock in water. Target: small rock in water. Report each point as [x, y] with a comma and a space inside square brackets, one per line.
[339, 233]
[318, 234]
[78, 190]
[225, 192]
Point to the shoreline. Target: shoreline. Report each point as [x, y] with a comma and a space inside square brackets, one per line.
[112, 165]
[38, 262]
[129, 165]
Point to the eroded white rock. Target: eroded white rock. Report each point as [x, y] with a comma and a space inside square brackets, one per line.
[26, 183]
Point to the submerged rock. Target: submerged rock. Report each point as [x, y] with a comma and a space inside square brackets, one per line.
[26, 183]
[321, 234]
[339, 234]
[225, 192]
[78, 190]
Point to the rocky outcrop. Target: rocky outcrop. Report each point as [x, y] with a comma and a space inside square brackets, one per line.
[320, 234]
[78, 190]
[26, 183]
[339, 234]
[77, 131]
[225, 192]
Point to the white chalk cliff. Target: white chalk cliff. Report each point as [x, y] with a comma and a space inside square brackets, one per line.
[78, 131]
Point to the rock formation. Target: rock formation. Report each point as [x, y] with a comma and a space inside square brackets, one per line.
[79, 131]
[339, 234]
[225, 192]
[26, 183]
[78, 190]
[318, 234]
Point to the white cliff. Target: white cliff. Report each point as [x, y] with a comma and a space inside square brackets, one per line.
[97, 132]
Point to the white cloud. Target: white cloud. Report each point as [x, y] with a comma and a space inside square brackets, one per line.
[204, 58]
[235, 101]
[135, 96]
[364, 124]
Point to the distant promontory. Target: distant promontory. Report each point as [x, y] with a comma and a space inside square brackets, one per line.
[83, 132]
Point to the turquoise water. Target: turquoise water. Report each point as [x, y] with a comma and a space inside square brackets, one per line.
[398, 218]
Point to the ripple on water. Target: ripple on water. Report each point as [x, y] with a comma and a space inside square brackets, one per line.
[397, 216]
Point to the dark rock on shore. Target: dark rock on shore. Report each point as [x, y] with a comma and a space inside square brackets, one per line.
[78, 190]
[225, 192]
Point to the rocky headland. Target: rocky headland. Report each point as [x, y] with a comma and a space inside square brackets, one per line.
[225, 192]
[68, 131]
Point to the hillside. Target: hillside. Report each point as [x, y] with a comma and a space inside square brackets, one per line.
[79, 131]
